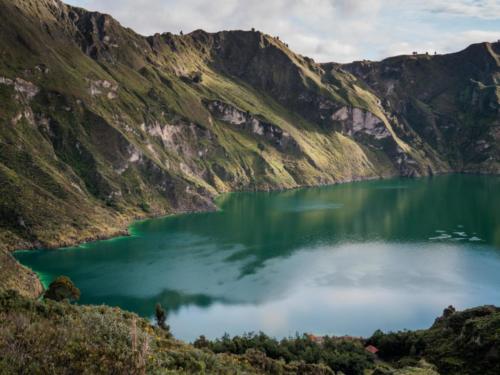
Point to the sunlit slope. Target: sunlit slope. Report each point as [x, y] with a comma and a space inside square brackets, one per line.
[101, 125]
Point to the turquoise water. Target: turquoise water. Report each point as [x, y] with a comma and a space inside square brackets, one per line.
[344, 259]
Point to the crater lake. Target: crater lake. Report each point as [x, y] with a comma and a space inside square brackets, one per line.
[338, 260]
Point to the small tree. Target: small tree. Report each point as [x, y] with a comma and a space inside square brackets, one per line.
[161, 317]
[201, 342]
[62, 288]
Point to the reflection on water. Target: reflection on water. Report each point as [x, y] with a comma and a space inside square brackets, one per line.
[345, 259]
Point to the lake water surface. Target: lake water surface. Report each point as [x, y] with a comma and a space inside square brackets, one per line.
[344, 259]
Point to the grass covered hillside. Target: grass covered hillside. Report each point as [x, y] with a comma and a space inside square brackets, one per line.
[102, 125]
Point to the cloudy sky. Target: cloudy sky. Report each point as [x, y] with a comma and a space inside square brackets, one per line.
[326, 30]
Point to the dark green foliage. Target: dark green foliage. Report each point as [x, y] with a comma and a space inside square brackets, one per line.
[201, 342]
[161, 317]
[397, 345]
[62, 288]
[449, 311]
[459, 343]
[338, 354]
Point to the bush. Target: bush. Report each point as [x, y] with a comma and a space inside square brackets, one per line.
[161, 317]
[338, 354]
[61, 289]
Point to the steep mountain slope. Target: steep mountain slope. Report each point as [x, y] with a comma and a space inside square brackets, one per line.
[100, 125]
[451, 101]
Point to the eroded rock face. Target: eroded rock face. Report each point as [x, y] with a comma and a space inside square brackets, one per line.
[168, 133]
[183, 137]
[24, 89]
[370, 130]
[280, 139]
[356, 120]
[103, 87]
[407, 166]
[451, 102]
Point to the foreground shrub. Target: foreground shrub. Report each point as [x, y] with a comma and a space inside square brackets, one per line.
[338, 354]
[62, 288]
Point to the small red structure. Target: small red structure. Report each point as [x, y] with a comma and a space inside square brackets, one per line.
[317, 339]
[371, 349]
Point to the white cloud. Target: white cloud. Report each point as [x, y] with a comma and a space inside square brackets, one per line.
[487, 9]
[326, 30]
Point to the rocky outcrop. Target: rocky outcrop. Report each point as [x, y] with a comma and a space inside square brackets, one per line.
[356, 121]
[251, 123]
[103, 87]
[449, 102]
[24, 90]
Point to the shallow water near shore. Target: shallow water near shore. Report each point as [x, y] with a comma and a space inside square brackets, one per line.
[344, 259]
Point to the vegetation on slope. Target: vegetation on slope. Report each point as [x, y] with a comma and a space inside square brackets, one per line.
[40, 337]
[346, 355]
[465, 342]
[458, 343]
[14, 276]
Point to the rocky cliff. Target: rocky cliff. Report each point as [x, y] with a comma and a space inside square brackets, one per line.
[451, 101]
[101, 125]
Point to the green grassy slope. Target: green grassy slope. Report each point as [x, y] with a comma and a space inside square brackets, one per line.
[101, 125]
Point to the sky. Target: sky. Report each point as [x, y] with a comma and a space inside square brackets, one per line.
[326, 30]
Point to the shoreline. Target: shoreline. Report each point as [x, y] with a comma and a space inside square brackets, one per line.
[126, 232]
